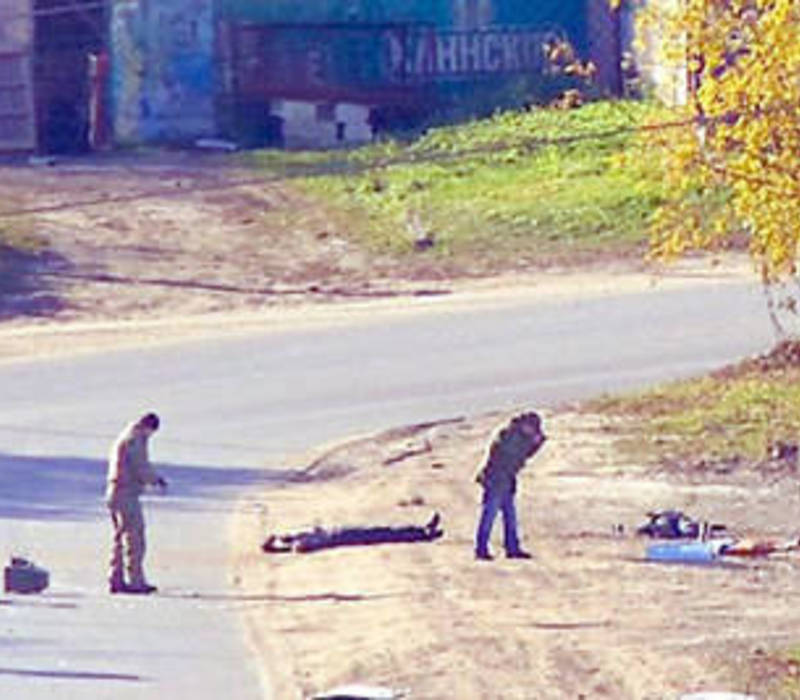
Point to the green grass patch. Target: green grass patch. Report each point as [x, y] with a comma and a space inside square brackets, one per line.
[538, 186]
[772, 674]
[724, 422]
[735, 414]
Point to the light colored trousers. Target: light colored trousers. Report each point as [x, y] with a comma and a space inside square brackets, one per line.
[128, 546]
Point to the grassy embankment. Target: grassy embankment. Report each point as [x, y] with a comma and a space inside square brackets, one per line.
[741, 419]
[523, 189]
[544, 188]
[727, 420]
[543, 185]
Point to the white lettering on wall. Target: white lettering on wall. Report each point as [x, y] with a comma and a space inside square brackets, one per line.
[447, 52]
[431, 54]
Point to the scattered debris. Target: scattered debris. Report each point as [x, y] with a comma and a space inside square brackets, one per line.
[748, 547]
[22, 576]
[686, 552]
[411, 451]
[717, 695]
[319, 538]
[415, 500]
[210, 144]
[674, 524]
[361, 692]
[39, 161]
[785, 355]
[703, 542]
[423, 238]
[784, 451]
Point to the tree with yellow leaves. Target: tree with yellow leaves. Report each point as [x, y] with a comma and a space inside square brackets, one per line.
[733, 170]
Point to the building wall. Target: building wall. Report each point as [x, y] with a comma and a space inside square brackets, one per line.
[163, 76]
[437, 12]
[174, 62]
[449, 14]
[604, 47]
[666, 80]
[322, 125]
[567, 15]
[406, 55]
[17, 116]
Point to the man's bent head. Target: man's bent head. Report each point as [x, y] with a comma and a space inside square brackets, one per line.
[149, 422]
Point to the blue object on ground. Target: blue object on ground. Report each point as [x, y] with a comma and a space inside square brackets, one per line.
[683, 551]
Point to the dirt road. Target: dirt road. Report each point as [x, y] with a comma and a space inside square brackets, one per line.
[143, 235]
[166, 249]
[587, 618]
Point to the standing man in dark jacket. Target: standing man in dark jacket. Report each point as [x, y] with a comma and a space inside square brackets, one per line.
[509, 450]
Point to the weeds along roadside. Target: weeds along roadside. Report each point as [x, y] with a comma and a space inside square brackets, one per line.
[521, 189]
[736, 417]
[742, 419]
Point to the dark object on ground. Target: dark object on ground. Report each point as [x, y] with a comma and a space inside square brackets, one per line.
[22, 576]
[674, 524]
[519, 554]
[784, 451]
[358, 691]
[319, 538]
[669, 524]
[145, 589]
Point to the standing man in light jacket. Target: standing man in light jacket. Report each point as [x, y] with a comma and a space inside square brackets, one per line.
[129, 472]
[511, 447]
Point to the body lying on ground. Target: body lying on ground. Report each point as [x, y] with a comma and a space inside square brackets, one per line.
[319, 538]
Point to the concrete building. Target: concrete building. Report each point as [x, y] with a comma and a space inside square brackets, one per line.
[17, 119]
[78, 74]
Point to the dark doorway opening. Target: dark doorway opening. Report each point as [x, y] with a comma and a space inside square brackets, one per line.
[67, 34]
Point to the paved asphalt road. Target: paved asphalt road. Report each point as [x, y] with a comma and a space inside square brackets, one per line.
[232, 410]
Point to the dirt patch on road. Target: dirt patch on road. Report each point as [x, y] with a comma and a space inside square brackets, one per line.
[132, 236]
[124, 241]
[587, 618]
[175, 248]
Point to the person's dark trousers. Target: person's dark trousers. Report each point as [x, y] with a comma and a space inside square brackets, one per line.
[495, 501]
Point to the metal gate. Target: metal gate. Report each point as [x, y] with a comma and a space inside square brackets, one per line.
[17, 117]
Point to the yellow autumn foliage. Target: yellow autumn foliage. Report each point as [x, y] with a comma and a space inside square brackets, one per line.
[734, 170]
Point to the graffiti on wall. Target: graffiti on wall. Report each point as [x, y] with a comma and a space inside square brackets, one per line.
[163, 69]
[319, 62]
[180, 80]
[439, 55]
[126, 78]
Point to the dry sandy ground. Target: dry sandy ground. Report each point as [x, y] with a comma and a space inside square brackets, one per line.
[586, 618]
[167, 251]
[141, 249]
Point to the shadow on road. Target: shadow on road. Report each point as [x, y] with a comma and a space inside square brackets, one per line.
[324, 597]
[23, 290]
[71, 675]
[71, 488]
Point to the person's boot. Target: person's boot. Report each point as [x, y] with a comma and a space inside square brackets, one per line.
[116, 584]
[518, 554]
[140, 589]
[483, 555]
